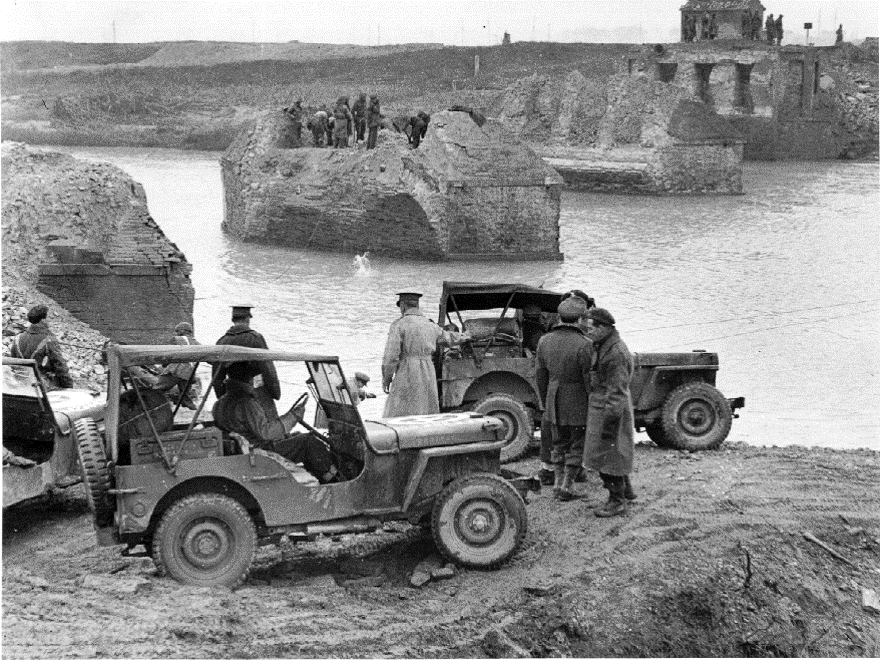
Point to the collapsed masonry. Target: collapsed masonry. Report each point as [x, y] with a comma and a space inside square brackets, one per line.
[80, 233]
[626, 135]
[469, 191]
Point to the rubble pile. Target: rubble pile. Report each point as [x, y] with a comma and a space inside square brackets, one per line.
[50, 197]
[471, 190]
[857, 106]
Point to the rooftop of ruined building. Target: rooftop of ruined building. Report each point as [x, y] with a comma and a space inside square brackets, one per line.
[721, 5]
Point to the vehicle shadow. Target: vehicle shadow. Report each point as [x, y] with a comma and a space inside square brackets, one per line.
[26, 518]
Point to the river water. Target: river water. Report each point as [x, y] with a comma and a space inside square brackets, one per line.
[783, 282]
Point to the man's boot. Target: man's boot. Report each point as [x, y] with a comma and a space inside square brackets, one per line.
[616, 504]
[546, 475]
[628, 492]
[559, 477]
[566, 492]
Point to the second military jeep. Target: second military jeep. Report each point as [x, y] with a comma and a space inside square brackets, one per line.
[199, 501]
[674, 395]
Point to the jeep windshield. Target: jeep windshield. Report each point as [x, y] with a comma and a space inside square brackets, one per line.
[134, 407]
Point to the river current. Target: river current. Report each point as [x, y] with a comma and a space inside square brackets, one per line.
[782, 282]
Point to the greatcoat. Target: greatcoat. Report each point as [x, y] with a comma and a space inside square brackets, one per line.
[412, 341]
[610, 432]
[267, 387]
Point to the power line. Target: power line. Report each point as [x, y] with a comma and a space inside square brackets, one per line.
[758, 316]
[775, 327]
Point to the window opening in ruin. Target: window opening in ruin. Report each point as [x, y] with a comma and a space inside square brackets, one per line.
[816, 77]
[744, 88]
[629, 67]
[666, 71]
[703, 73]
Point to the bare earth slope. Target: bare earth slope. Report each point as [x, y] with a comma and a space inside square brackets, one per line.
[710, 560]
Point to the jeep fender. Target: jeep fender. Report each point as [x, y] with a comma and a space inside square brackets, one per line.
[659, 381]
[502, 382]
[437, 466]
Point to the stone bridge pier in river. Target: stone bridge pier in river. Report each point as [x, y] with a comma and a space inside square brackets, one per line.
[468, 192]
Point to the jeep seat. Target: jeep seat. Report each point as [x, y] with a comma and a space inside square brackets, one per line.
[481, 330]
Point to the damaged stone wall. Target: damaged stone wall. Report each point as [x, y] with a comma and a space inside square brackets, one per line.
[80, 233]
[637, 135]
[787, 103]
[468, 191]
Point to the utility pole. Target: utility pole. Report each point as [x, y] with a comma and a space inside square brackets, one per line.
[533, 27]
[114, 31]
[378, 34]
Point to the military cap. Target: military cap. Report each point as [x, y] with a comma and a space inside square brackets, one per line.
[361, 377]
[580, 294]
[183, 328]
[408, 296]
[571, 309]
[242, 310]
[37, 313]
[600, 315]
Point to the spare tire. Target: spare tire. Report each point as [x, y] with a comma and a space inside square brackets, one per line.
[695, 416]
[95, 469]
[518, 429]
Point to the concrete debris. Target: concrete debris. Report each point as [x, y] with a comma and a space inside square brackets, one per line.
[444, 573]
[497, 644]
[870, 601]
[419, 579]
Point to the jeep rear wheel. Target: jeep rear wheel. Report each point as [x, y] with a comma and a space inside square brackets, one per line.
[479, 520]
[95, 469]
[696, 416]
[517, 431]
[206, 540]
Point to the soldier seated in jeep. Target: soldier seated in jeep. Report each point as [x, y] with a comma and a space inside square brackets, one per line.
[238, 411]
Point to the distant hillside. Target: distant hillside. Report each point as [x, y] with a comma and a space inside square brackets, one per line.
[196, 104]
[22, 55]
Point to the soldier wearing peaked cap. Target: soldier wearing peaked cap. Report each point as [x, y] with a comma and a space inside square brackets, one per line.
[609, 446]
[408, 375]
[562, 372]
[260, 375]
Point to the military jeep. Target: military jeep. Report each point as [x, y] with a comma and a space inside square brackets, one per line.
[674, 395]
[199, 501]
[37, 427]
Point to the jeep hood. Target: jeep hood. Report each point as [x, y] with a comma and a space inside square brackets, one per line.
[422, 431]
[72, 404]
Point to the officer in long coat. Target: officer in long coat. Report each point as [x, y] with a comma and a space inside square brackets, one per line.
[609, 445]
[37, 343]
[259, 374]
[408, 375]
[562, 372]
[374, 120]
[359, 112]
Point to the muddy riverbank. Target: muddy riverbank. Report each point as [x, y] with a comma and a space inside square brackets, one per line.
[711, 560]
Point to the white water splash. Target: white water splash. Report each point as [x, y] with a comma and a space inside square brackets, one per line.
[362, 264]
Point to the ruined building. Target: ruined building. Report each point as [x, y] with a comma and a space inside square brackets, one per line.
[783, 101]
[624, 135]
[81, 233]
[471, 190]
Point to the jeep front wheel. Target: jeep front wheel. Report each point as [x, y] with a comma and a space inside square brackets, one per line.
[206, 540]
[95, 470]
[695, 416]
[518, 428]
[479, 520]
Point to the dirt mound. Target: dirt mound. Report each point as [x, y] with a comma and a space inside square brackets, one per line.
[709, 561]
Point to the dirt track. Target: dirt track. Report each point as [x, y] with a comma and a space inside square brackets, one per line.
[710, 560]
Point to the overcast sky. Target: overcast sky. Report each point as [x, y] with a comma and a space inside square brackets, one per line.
[370, 22]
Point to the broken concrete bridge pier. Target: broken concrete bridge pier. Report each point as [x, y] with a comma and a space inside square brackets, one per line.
[469, 191]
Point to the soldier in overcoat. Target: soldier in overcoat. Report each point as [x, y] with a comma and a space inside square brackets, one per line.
[609, 445]
[562, 372]
[261, 375]
[408, 375]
